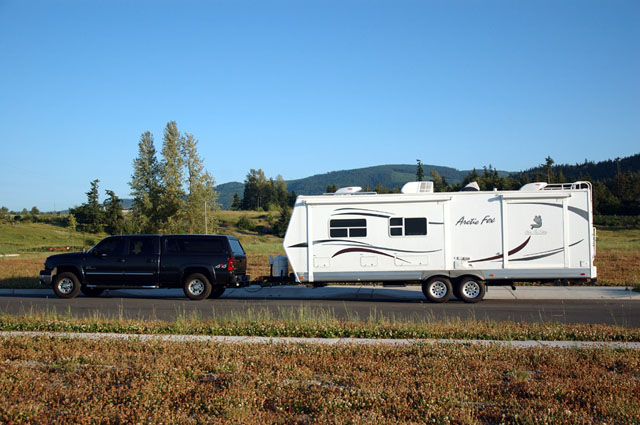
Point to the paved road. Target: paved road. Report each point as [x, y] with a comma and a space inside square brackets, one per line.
[401, 303]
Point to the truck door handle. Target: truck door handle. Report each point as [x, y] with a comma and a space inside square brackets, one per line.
[121, 260]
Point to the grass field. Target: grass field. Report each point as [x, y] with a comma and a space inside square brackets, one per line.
[57, 380]
[617, 259]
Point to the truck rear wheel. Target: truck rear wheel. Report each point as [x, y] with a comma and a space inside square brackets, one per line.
[438, 289]
[197, 286]
[66, 285]
[470, 289]
[217, 291]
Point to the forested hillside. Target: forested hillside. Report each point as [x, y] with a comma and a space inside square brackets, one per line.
[388, 176]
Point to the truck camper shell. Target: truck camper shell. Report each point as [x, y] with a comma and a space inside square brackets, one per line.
[451, 242]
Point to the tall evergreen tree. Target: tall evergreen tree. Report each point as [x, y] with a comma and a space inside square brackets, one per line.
[549, 168]
[200, 189]
[254, 190]
[172, 196]
[113, 217]
[236, 204]
[145, 186]
[90, 213]
[419, 171]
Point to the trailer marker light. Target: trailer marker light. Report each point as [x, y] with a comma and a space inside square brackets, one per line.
[491, 274]
[583, 274]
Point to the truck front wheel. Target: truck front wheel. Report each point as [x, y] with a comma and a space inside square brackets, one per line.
[197, 286]
[66, 285]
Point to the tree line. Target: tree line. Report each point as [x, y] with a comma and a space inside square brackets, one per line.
[171, 194]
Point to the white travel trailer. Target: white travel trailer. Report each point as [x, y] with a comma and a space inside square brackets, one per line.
[451, 242]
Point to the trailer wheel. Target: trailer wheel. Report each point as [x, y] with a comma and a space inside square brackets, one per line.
[217, 291]
[197, 287]
[438, 289]
[470, 289]
[66, 285]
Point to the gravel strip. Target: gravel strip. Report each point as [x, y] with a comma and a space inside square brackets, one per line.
[322, 341]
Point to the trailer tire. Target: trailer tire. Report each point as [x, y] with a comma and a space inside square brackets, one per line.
[470, 289]
[217, 291]
[438, 289]
[197, 287]
[66, 285]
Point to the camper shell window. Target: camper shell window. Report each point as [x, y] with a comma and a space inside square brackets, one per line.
[414, 226]
[348, 228]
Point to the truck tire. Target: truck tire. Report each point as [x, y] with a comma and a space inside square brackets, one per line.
[66, 285]
[91, 292]
[438, 289]
[470, 289]
[197, 287]
[217, 291]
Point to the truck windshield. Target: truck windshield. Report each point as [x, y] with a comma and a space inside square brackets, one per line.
[236, 247]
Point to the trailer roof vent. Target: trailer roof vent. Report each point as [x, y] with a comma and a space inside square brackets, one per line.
[348, 190]
[418, 187]
[533, 187]
[471, 187]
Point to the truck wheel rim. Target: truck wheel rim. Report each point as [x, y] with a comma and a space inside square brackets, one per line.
[196, 287]
[471, 289]
[438, 289]
[65, 285]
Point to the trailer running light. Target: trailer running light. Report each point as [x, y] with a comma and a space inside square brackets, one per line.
[491, 274]
[583, 274]
[230, 265]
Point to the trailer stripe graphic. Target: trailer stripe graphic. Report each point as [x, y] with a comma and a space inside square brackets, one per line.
[513, 251]
[544, 254]
[344, 251]
[361, 213]
[346, 242]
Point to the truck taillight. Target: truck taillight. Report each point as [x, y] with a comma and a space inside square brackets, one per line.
[230, 265]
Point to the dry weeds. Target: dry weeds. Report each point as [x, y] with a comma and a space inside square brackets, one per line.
[52, 380]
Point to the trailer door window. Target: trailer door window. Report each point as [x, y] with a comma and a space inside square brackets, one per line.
[350, 228]
[408, 226]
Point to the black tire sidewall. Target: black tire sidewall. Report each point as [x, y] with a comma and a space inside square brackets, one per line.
[217, 291]
[466, 299]
[66, 275]
[202, 278]
[427, 285]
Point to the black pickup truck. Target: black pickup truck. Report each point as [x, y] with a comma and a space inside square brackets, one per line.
[203, 265]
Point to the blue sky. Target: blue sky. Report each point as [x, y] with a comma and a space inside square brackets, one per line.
[305, 87]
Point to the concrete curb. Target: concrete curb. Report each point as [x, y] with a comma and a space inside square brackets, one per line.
[372, 293]
[321, 341]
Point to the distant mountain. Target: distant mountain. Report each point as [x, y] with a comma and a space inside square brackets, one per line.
[390, 176]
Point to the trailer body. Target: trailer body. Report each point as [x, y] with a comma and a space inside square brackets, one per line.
[539, 233]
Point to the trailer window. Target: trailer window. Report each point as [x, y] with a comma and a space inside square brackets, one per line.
[415, 226]
[350, 228]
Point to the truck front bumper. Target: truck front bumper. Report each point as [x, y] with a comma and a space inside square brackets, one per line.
[45, 277]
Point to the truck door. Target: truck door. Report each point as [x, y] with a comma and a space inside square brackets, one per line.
[104, 263]
[141, 261]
